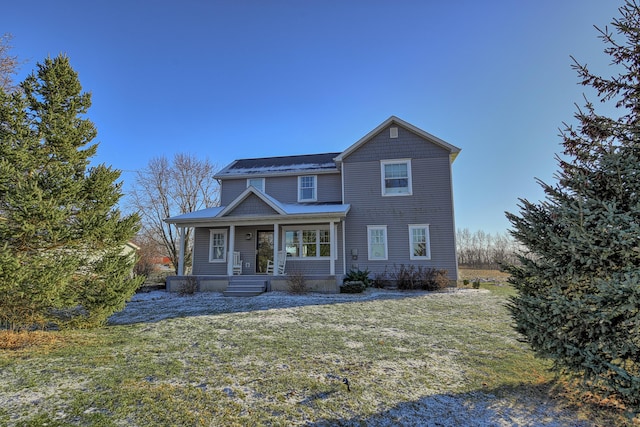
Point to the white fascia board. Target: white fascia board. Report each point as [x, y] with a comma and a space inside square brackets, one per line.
[273, 203]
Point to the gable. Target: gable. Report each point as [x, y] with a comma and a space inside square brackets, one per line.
[395, 138]
[406, 145]
[252, 205]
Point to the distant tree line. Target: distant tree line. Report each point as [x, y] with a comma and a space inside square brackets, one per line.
[479, 249]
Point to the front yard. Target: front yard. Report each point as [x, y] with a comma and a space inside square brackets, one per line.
[410, 358]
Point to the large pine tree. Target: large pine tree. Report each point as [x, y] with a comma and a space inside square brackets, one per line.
[61, 234]
[578, 300]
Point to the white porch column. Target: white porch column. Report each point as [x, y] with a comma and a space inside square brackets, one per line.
[276, 245]
[181, 239]
[332, 248]
[232, 248]
[344, 247]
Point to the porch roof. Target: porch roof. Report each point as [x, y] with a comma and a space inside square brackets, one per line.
[282, 212]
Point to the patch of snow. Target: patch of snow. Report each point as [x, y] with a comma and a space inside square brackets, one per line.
[158, 305]
[475, 408]
[278, 168]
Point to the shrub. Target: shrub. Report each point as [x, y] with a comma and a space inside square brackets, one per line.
[381, 280]
[353, 287]
[358, 276]
[144, 267]
[189, 287]
[297, 282]
[412, 277]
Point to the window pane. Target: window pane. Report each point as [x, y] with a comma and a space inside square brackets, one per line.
[309, 243]
[419, 242]
[257, 183]
[306, 194]
[395, 170]
[217, 246]
[396, 178]
[292, 239]
[325, 246]
[377, 243]
[307, 188]
[218, 252]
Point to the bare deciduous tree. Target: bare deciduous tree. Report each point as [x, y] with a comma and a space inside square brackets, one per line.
[8, 63]
[484, 250]
[164, 189]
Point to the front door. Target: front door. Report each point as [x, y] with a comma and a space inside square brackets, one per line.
[264, 250]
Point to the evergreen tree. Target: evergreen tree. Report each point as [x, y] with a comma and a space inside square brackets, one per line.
[61, 234]
[578, 284]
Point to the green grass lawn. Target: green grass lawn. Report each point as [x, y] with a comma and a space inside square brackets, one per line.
[442, 356]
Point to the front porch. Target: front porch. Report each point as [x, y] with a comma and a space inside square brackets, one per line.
[227, 284]
[256, 239]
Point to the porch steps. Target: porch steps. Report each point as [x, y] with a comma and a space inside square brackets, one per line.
[245, 288]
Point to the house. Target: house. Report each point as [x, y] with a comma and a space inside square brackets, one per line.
[130, 249]
[386, 200]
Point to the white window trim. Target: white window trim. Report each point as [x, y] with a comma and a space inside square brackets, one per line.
[428, 242]
[224, 252]
[382, 183]
[249, 183]
[370, 256]
[315, 188]
[300, 243]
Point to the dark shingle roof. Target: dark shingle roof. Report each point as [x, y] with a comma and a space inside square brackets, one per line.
[284, 164]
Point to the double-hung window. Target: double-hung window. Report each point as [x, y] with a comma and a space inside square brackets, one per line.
[217, 245]
[307, 189]
[377, 242]
[419, 244]
[257, 183]
[308, 243]
[396, 177]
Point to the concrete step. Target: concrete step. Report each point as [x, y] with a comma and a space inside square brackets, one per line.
[245, 288]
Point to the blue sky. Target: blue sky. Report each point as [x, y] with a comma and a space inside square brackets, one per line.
[234, 79]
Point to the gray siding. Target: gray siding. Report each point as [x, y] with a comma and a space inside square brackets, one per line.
[252, 206]
[230, 189]
[201, 264]
[408, 144]
[431, 202]
[285, 188]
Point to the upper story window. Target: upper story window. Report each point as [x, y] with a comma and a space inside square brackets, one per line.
[257, 183]
[396, 177]
[307, 189]
[218, 245]
[419, 242]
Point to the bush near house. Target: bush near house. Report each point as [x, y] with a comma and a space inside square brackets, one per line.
[358, 276]
[352, 287]
[411, 277]
[428, 279]
[297, 283]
